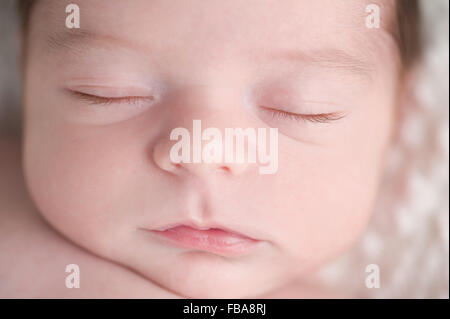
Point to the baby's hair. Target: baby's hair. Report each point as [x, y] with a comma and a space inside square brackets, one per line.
[406, 29]
[24, 7]
[407, 33]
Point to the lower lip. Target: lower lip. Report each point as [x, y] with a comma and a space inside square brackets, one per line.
[212, 240]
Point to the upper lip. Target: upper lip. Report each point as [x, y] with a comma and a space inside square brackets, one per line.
[200, 226]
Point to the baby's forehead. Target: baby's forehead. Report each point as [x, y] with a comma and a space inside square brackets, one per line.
[238, 28]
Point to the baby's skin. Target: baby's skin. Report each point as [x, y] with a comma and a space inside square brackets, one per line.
[96, 181]
[34, 257]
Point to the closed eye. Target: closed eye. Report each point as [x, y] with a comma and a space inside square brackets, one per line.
[314, 118]
[102, 100]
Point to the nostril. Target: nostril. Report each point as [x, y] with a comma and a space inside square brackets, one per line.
[224, 168]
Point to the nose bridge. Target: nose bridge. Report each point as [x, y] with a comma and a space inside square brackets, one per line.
[201, 98]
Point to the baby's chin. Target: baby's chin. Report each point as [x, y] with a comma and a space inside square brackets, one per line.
[197, 274]
[216, 283]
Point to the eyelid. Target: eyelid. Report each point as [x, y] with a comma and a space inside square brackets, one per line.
[113, 89]
[105, 100]
[308, 117]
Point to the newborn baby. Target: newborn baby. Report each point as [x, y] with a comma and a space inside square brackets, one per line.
[101, 99]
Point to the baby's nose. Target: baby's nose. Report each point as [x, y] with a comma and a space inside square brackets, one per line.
[166, 156]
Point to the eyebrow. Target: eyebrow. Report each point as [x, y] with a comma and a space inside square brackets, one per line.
[80, 40]
[328, 58]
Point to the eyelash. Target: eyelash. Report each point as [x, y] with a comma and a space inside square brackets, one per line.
[100, 100]
[275, 113]
[314, 118]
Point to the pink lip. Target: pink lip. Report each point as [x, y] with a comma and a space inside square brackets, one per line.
[214, 240]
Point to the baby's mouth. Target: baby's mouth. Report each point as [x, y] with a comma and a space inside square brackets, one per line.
[214, 240]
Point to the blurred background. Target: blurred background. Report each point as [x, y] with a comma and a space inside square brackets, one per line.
[9, 75]
[408, 237]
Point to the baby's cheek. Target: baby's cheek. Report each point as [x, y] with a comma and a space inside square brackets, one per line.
[328, 198]
[335, 186]
[76, 178]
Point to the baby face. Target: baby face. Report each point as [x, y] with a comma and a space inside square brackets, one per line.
[102, 100]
